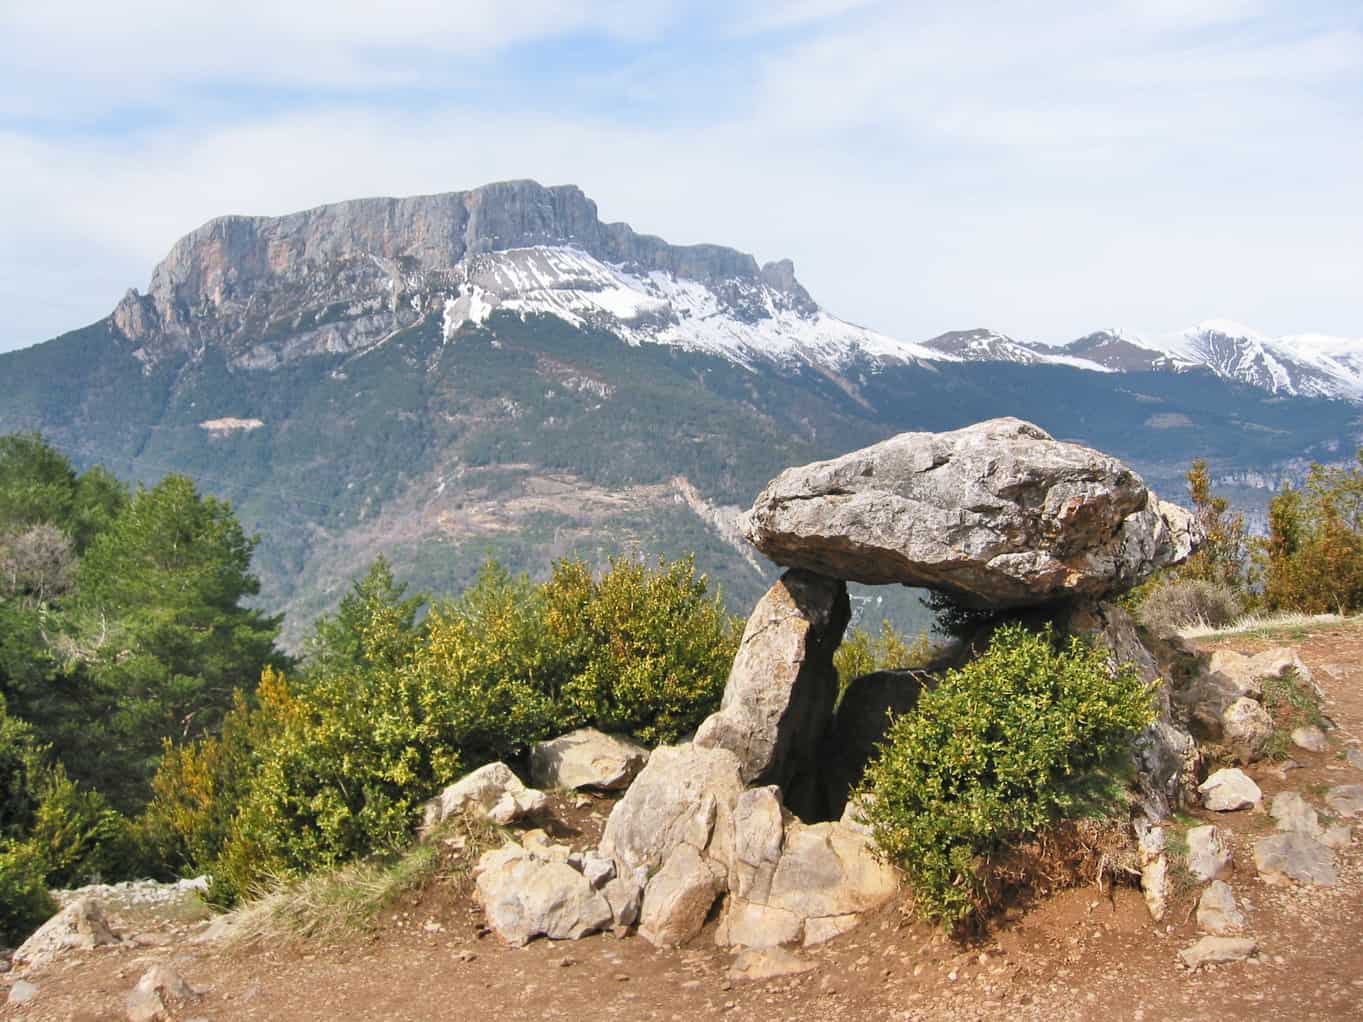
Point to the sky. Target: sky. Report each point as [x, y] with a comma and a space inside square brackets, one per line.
[1043, 169]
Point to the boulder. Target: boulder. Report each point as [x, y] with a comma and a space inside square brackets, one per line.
[22, 992]
[1209, 853]
[1345, 799]
[1154, 871]
[625, 896]
[1236, 674]
[1282, 662]
[679, 897]
[997, 515]
[1292, 812]
[1294, 856]
[527, 895]
[81, 925]
[759, 836]
[1217, 951]
[779, 697]
[862, 717]
[492, 790]
[827, 875]
[1167, 761]
[685, 795]
[1217, 912]
[158, 993]
[1228, 790]
[586, 758]
[1246, 729]
[1310, 738]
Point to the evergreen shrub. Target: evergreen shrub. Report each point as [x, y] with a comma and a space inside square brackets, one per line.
[1026, 734]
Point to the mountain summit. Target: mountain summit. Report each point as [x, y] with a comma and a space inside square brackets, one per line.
[344, 277]
[497, 372]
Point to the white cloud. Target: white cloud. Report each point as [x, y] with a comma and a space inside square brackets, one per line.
[927, 168]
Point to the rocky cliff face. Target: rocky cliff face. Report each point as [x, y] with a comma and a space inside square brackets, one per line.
[342, 276]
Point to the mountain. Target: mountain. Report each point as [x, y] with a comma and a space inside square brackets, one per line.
[497, 372]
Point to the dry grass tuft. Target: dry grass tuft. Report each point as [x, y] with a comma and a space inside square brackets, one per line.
[1265, 625]
[348, 900]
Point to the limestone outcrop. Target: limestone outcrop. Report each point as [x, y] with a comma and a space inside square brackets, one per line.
[493, 791]
[586, 758]
[996, 515]
[780, 693]
[79, 926]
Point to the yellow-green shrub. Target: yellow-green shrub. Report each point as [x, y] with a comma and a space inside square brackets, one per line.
[640, 650]
[24, 901]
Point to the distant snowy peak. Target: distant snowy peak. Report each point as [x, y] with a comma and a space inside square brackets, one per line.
[982, 345]
[742, 318]
[1305, 365]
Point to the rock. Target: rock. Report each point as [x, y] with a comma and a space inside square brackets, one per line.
[1291, 812]
[1167, 761]
[678, 898]
[1294, 856]
[759, 836]
[598, 869]
[1154, 870]
[1236, 674]
[21, 993]
[1155, 887]
[625, 896]
[779, 697]
[827, 876]
[1310, 738]
[1281, 662]
[526, 895]
[1246, 728]
[1345, 799]
[1209, 853]
[586, 758]
[862, 717]
[158, 993]
[768, 963]
[1217, 950]
[1354, 757]
[492, 790]
[685, 795]
[80, 925]
[1228, 790]
[1338, 835]
[997, 515]
[1217, 912]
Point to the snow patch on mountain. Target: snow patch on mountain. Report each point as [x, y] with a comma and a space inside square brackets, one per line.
[742, 319]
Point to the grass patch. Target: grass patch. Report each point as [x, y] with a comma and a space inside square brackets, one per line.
[1291, 704]
[1267, 626]
[349, 900]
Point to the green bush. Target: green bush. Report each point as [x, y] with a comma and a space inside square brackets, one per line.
[863, 653]
[1024, 735]
[80, 837]
[24, 901]
[19, 767]
[335, 763]
[640, 650]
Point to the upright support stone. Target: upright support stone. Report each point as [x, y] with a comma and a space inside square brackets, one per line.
[780, 694]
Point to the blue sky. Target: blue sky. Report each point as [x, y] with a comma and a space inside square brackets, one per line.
[1043, 169]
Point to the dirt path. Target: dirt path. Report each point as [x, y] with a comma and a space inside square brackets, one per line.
[1078, 956]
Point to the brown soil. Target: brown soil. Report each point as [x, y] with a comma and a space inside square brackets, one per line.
[1080, 955]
